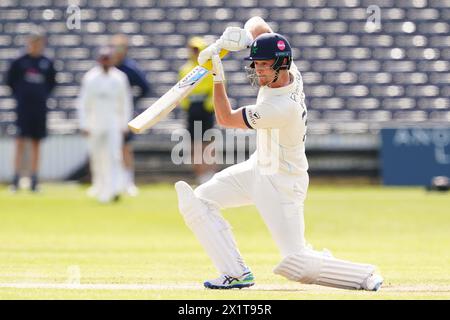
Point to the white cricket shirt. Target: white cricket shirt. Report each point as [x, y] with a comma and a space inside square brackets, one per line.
[279, 117]
[105, 100]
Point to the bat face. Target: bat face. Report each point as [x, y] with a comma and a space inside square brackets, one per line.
[171, 98]
[168, 101]
[193, 77]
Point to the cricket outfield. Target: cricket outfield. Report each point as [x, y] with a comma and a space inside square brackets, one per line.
[62, 245]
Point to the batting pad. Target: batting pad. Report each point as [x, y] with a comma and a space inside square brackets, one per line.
[312, 267]
[212, 231]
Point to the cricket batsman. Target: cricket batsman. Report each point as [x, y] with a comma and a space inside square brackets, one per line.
[274, 178]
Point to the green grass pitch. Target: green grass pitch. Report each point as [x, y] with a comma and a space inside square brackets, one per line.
[140, 247]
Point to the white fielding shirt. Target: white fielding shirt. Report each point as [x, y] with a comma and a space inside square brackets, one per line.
[279, 117]
[105, 101]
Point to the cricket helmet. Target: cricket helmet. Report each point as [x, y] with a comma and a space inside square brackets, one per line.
[269, 46]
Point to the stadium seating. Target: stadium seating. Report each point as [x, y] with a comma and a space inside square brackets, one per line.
[355, 77]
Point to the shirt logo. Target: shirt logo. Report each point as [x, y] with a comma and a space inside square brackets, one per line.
[34, 76]
[253, 116]
[281, 45]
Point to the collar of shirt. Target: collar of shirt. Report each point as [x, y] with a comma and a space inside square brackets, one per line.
[267, 91]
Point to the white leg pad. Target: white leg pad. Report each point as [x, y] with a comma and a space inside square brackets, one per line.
[212, 231]
[312, 267]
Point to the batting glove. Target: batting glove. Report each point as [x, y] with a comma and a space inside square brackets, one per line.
[218, 73]
[235, 39]
[207, 53]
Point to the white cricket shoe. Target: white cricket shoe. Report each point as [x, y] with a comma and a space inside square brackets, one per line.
[132, 190]
[229, 282]
[373, 282]
[92, 192]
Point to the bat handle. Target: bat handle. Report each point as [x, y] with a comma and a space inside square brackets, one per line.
[208, 64]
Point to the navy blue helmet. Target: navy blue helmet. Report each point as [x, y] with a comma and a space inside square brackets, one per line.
[269, 46]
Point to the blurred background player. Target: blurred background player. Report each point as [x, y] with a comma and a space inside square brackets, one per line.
[137, 80]
[200, 110]
[31, 78]
[104, 110]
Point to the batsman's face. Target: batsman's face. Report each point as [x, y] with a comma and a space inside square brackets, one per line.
[264, 71]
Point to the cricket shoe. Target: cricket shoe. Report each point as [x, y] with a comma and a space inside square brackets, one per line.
[14, 187]
[132, 190]
[34, 187]
[229, 282]
[373, 282]
[92, 192]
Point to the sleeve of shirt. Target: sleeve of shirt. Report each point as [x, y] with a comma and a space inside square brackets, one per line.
[82, 103]
[51, 78]
[146, 88]
[137, 78]
[127, 104]
[12, 75]
[265, 115]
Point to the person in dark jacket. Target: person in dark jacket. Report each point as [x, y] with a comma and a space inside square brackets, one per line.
[137, 80]
[31, 78]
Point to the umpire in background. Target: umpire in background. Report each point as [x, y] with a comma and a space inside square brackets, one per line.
[31, 78]
[200, 111]
[137, 80]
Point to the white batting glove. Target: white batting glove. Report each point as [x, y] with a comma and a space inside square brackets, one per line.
[235, 39]
[218, 73]
[207, 53]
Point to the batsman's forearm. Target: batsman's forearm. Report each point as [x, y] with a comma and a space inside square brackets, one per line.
[222, 105]
[225, 115]
[257, 26]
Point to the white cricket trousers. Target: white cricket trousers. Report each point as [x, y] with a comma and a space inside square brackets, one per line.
[105, 151]
[279, 199]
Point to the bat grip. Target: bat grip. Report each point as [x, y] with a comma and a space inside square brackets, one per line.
[208, 64]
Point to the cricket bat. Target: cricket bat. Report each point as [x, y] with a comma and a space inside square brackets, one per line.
[164, 105]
